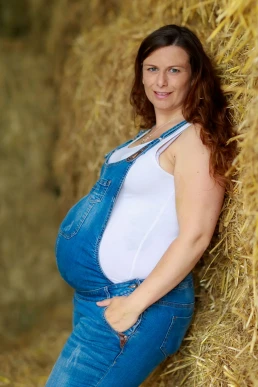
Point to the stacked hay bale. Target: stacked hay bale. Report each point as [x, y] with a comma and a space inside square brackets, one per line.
[28, 212]
[68, 17]
[221, 347]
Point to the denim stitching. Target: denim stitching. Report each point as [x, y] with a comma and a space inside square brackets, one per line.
[162, 347]
[96, 250]
[166, 337]
[104, 183]
[111, 366]
[175, 304]
[89, 292]
[82, 220]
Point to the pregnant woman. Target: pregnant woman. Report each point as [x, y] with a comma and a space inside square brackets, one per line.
[129, 246]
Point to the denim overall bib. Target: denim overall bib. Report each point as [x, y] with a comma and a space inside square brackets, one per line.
[95, 354]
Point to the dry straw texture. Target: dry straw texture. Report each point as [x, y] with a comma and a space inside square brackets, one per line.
[221, 347]
[28, 210]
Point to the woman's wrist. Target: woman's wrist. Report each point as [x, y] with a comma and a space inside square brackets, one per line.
[136, 302]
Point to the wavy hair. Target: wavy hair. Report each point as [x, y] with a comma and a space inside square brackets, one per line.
[205, 103]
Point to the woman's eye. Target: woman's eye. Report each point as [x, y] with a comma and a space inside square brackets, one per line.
[174, 70]
[152, 69]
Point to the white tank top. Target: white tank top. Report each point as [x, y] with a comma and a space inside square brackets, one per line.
[143, 222]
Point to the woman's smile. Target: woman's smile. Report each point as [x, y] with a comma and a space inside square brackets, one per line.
[162, 95]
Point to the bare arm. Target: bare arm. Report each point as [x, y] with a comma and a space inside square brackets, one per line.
[198, 204]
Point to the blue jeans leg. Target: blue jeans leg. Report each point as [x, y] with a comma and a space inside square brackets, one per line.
[88, 352]
[94, 357]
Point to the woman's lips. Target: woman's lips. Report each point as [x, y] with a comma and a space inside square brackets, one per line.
[161, 95]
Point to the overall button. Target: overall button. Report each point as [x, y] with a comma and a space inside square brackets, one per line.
[133, 286]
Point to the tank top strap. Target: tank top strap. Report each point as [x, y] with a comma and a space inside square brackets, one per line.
[166, 141]
[174, 130]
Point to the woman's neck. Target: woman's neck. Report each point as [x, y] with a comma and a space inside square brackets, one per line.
[171, 117]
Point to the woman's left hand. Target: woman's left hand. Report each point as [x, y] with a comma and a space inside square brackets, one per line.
[118, 313]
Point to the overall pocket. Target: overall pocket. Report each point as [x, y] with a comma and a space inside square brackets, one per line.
[77, 214]
[128, 332]
[175, 334]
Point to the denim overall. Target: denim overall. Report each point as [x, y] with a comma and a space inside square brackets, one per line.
[95, 354]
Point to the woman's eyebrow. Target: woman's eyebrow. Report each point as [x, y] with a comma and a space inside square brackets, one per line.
[148, 64]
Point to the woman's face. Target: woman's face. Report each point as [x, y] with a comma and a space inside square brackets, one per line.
[167, 77]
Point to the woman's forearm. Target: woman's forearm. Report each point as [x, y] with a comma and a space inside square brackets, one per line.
[178, 260]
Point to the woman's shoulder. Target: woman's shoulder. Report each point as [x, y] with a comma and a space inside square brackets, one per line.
[190, 141]
[192, 158]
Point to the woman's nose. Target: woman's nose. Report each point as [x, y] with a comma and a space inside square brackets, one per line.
[161, 79]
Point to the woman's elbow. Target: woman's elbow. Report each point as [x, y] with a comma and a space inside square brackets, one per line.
[197, 241]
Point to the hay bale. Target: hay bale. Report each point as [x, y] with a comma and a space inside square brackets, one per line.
[14, 18]
[29, 215]
[68, 18]
[221, 347]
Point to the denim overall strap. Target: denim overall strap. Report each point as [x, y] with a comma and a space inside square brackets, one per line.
[144, 149]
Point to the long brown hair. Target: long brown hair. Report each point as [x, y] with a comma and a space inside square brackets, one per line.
[205, 103]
